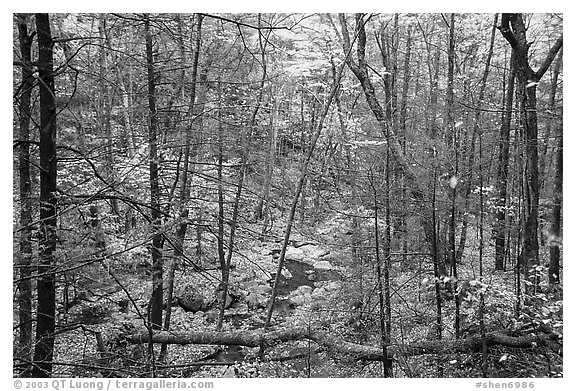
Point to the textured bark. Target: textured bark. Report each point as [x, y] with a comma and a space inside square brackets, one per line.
[337, 345]
[25, 245]
[157, 238]
[46, 287]
[514, 31]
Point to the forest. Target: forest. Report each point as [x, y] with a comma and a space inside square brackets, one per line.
[287, 195]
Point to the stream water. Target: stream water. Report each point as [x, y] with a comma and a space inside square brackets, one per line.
[300, 272]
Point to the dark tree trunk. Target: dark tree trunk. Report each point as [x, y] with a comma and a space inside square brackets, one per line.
[514, 31]
[157, 238]
[46, 310]
[453, 145]
[25, 257]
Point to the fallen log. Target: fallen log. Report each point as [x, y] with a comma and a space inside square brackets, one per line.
[356, 351]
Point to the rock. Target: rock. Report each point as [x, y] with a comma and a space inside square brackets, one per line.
[212, 316]
[190, 299]
[286, 273]
[261, 289]
[318, 294]
[295, 254]
[322, 265]
[324, 271]
[303, 289]
[229, 372]
[333, 286]
[301, 295]
[315, 252]
[310, 275]
[255, 301]
[297, 300]
[284, 305]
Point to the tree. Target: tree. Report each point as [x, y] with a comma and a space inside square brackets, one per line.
[156, 301]
[513, 30]
[46, 311]
[25, 287]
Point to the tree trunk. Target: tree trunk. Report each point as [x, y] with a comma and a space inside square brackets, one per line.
[157, 238]
[25, 257]
[256, 338]
[551, 107]
[221, 252]
[514, 31]
[453, 145]
[46, 287]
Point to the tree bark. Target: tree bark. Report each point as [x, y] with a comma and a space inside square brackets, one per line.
[25, 245]
[514, 31]
[46, 287]
[156, 302]
[337, 345]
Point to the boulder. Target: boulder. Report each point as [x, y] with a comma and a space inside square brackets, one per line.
[314, 252]
[303, 289]
[318, 294]
[322, 265]
[333, 286]
[295, 254]
[324, 271]
[255, 301]
[261, 289]
[190, 299]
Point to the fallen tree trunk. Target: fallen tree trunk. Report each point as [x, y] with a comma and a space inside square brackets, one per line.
[356, 351]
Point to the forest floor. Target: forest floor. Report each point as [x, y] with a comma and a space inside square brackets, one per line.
[319, 299]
